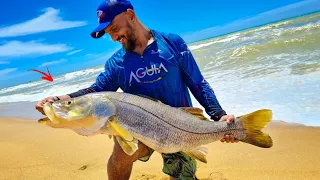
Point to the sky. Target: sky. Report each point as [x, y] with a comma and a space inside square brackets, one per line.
[55, 33]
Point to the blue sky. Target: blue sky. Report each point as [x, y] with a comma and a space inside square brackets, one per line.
[56, 33]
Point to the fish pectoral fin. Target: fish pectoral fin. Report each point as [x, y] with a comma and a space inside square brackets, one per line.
[129, 147]
[117, 129]
[199, 154]
[194, 111]
[253, 123]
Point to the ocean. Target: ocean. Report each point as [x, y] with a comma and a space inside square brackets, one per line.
[275, 66]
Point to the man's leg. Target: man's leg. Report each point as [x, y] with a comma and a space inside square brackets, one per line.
[120, 164]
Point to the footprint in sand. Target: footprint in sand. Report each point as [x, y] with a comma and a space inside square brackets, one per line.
[147, 177]
[215, 176]
[83, 167]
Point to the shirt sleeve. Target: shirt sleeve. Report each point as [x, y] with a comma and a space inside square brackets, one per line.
[104, 82]
[195, 81]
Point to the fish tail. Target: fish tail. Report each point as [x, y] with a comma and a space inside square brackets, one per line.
[253, 123]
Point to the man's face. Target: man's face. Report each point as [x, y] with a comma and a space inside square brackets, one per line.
[121, 30]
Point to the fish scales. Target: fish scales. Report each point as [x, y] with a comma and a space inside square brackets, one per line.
[165, 128]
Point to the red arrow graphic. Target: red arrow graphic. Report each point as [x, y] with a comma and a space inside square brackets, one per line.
[47, 77]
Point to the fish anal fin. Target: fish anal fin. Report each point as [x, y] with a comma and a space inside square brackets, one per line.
[129, 147]
[117, 129]
[199, 154]
[253, 123]
[194, 111]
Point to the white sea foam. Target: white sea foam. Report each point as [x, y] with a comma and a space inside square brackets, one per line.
[60, 86]
[227, 39]
[60, 89]
[83, 73]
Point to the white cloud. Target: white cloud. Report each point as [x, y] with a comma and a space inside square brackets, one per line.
[53, 62]
[18, 48]
[73, 52]
[4, 72]
[4, 62]
[88, 54]
[48, 21]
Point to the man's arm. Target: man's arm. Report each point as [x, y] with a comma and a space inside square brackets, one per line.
[200, 88]
[196, 82]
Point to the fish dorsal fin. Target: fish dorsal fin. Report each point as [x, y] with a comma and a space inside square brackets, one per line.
[147, 97]
[200, 154]
[129, 147]
[117, 129]
[194, 111]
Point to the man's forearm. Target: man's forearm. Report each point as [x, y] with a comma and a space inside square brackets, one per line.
[207, 98]
[82, 92]
[63, 97]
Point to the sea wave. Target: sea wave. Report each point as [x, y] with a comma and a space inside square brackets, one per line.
[82, 73]
[227, 39]
[46, 92]
[62, 84]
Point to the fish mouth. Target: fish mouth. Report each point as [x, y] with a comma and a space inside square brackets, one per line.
[49, 112]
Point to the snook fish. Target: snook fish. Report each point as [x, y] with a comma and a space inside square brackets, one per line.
[132, 118]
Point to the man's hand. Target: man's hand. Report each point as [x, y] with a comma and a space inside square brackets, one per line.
[39, 105]
[228, 137]
[51, 99]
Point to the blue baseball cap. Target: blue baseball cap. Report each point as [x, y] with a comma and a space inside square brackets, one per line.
[107, 11]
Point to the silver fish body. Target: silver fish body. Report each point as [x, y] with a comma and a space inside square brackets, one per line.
[132, 118]
[167, 129]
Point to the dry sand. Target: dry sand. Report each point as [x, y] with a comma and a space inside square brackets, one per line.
[32, 151]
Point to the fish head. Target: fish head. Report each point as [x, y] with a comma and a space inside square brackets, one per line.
[68, 110]
[89, 111]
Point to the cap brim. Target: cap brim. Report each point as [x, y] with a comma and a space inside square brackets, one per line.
[99, 31]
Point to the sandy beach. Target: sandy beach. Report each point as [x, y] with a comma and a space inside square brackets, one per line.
[33, 151]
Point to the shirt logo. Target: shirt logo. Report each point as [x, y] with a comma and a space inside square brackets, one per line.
[155, 52]
[142, 72]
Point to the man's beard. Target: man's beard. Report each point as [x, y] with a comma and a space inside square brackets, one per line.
[131, 39]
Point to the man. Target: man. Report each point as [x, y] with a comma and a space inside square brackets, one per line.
[154, 64]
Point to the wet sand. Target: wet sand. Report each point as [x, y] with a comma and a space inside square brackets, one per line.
[33, 151]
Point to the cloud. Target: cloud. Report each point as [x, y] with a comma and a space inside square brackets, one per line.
[4, 62]
[53, 62]
[88, 54]
[73, 52]
[48, 21]
[18, 48]
[289, 11]
[4, 72]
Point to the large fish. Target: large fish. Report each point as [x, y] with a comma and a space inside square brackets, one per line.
[132, 118]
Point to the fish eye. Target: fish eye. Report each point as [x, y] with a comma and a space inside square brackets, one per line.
[68, 102]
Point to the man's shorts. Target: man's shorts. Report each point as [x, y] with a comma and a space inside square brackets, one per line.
[177, 165]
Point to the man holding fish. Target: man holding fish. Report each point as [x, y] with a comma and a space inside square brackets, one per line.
[153, 64]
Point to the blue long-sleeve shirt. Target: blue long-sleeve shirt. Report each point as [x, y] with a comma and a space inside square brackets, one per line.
[165, 71]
